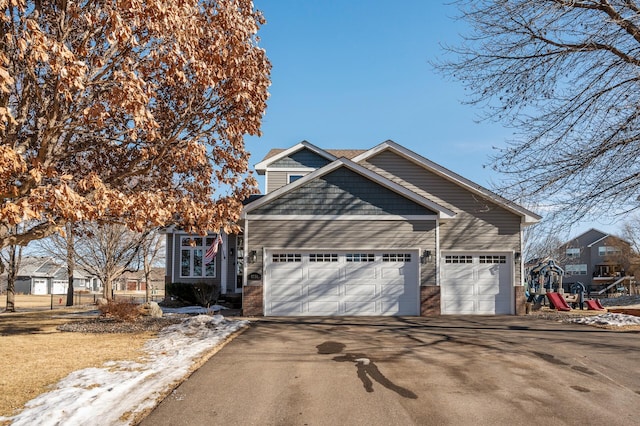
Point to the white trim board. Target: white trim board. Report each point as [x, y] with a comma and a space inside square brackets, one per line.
[369, 217]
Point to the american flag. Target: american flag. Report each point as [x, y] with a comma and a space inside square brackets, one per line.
[212, 251]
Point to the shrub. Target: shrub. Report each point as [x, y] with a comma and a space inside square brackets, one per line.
[122, 310]
[202, 293]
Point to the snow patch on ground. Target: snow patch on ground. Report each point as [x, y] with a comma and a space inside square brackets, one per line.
[115, 393]
[619, 320]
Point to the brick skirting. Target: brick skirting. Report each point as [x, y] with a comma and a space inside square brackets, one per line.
[520, 300]
[252, 301]
[430, 301]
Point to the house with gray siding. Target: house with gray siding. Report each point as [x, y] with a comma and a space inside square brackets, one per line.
[598, 260]
[383, 231]
[44, 275]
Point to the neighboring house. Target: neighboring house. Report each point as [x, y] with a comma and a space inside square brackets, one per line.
[598, 260]
[43, 275]
[378, 232]
[135, 281]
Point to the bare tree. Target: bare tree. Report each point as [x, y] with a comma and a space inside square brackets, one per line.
[566, 75]
[61, 247]
[543, 241]
[107, 251]
[630, 231]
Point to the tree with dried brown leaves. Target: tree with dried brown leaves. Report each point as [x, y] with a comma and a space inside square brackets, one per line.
[127, 111]
[565, 74]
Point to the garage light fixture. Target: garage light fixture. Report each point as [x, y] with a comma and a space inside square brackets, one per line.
[426, 257]
[253, 256]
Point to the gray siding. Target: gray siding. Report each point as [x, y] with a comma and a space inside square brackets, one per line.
[275, 180]
[300, 159]
[480, 224]
[343, 192]
[342, 235]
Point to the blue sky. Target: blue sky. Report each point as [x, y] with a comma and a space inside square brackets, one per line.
[354, 73]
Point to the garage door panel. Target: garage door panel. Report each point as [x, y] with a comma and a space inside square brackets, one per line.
[323, 308]
[487, 306]
[321, 288]
[458, 273]
[460, 288]
[395, 290]
[287, 273]
[460, 306]
[283, 291]
[392, 271]
[488, 288]
[354, 289]
[331, 282]
[360, 308]
[324, 274]
[285, 307]
[360, 271]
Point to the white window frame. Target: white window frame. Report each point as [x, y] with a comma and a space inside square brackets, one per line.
[294, 175]
[608, 251]
[576, 269]
[196, 252]
[573, 252]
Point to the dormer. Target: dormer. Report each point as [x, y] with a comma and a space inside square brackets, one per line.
[283, 166]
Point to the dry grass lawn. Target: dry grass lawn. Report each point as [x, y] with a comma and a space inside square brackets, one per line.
[35, 355]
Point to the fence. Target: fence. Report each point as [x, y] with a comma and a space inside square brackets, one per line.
[30, 302]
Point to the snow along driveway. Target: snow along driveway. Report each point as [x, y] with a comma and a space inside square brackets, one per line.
[119, 392]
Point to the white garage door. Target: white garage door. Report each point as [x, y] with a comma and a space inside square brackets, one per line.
[476, 284]
[39, 286]
[341, 283]
[60, 287]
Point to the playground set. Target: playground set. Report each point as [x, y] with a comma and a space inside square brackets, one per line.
[544, 281]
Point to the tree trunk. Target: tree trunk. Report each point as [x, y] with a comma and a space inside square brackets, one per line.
[12, 272]
[147, 279]
[108, 288]
[11, 296]
[70, 262]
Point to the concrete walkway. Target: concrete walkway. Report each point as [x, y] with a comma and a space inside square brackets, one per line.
[405, 371]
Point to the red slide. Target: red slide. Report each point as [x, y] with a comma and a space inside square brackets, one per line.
[594, 305]
[558, 302]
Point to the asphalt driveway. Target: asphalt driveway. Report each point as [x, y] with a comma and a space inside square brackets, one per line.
[405, 371]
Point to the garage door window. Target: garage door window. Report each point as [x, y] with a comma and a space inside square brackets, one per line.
[458, 259]
[360, 257]
[286, 257]
[323, 257]
[493, 259]
[396, 257]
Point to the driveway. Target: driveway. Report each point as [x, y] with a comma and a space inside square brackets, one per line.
[406, 371]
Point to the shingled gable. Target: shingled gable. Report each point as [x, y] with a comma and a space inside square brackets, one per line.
[528, 217]
[441, 211]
